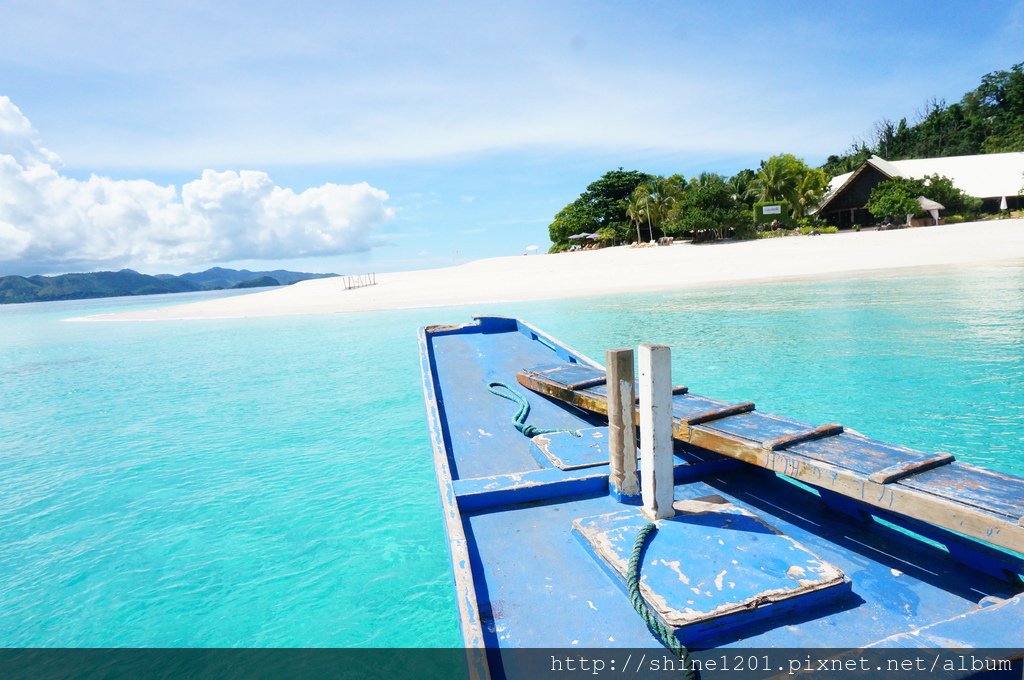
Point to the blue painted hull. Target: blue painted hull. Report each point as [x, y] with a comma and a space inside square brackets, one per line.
[524, 577]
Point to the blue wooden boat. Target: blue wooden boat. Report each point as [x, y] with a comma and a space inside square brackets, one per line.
[785, 534]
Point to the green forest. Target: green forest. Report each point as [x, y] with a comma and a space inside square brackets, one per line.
[625, 206]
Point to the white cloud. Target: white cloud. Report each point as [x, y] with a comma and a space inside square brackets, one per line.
[226, 83]
[49, 221]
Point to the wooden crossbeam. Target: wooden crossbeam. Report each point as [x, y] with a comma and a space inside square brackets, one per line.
[586, 384]
[792, 439]
[677, 390]
[899, 471]
[719, 413]
[887, 489]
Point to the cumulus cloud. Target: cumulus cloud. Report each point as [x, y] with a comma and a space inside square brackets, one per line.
[51, 221]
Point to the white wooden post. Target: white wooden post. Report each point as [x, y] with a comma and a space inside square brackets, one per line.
[622, 481]
[656, 483]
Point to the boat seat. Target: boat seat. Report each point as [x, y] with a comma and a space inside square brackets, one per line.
[714, 569]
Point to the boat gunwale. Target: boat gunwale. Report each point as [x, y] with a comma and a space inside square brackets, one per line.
[458, 545]
[458, 550]
[469, 610]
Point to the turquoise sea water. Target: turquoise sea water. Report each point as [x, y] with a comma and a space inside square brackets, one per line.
[269, 482]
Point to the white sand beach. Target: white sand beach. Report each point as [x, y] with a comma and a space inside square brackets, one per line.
[624, 269]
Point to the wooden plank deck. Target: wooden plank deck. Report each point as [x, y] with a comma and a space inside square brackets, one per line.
[931, 487]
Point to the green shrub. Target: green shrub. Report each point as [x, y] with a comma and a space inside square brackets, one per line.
[775, 233]
[953, 219]
[760, 217]
[895, 198]
[856, 227]
[745, 232]
[824, 229]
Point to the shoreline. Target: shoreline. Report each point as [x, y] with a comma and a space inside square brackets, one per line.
[623, 269]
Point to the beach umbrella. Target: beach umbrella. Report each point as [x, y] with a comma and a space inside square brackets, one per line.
[529, 248]
[931, 206]
[578, 236]
[593, 237]
[1002, 203]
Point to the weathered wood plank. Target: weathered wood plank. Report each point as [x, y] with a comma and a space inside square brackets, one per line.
[858, 453]
[692, 579]
[971, 501]
[657, 486]
[585, 447]
[787, 440]
[622, 480]
[585, 384]
[481, 493]
[901, 470]
[996, 626]
[984, 489]
[719, 413]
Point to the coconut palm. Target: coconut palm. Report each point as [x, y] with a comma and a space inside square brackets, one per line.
[809, 191]
[742, 187]
[635, 212]
[787, 178]
[651, 202]
[776, 181]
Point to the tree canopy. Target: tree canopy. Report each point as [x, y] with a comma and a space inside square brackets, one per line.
[601, 206]
[708, 208]
[788, 178]
[898, 196]
[988, 119]
[629, 205]
[650, 203]
[894, 198]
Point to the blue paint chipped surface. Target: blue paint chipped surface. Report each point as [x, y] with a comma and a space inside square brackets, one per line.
[537, 585]
[538, 577]
[712, 560]
[566, 451]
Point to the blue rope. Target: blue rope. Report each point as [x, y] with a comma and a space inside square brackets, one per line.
[524, 411]
[663, 632]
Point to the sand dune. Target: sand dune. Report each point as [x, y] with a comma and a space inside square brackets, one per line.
[622, 269]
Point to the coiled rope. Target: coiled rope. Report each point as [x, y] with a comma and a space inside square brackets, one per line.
[663, 632]
[524, 411]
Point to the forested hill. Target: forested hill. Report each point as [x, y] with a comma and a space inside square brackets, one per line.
[129, 282]
[218, 277]
[988, 119]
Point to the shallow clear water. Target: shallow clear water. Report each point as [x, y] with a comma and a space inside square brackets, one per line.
[269, 482]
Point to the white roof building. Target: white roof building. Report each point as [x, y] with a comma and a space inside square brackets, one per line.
[986, 176]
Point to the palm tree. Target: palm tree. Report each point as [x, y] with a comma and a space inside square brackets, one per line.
[776, 181]
[742, 187]
[651, 202]
[787, 178]
[635, 212]
[809, 191]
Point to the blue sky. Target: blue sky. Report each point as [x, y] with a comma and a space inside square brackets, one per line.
[479, 121]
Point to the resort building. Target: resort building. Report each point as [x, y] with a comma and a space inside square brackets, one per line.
[994, 178]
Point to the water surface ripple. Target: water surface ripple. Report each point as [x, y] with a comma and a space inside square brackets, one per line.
[269, 482]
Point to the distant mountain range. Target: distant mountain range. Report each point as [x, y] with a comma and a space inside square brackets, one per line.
[129, 282]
